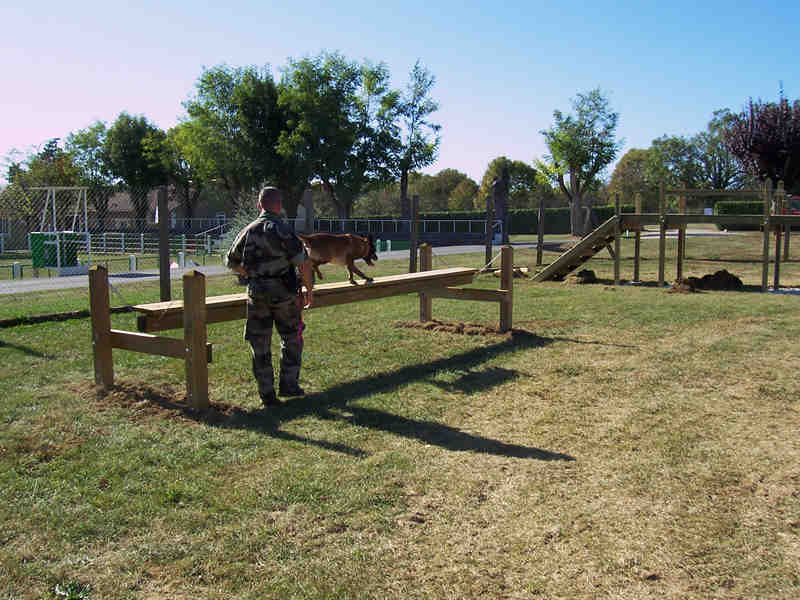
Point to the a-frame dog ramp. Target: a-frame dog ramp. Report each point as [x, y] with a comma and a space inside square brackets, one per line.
[585, 249]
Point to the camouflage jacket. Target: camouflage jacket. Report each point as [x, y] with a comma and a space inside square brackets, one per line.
[267, 249]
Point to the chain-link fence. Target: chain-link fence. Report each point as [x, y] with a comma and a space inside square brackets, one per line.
[51, 236]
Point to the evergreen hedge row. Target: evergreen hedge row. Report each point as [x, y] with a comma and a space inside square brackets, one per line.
[739, 207]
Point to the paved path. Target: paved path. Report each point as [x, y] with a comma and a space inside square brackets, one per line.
[21, 286]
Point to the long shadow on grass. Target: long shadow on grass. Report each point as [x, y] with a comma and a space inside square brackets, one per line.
[339, 397]
[24, 349]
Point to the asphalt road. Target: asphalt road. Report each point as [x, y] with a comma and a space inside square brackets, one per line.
[21, 286]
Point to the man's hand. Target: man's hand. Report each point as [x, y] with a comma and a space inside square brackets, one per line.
[308, 297]
[240, 271]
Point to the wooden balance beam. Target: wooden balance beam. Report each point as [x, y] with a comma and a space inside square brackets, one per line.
[159, 316]
[196, 310]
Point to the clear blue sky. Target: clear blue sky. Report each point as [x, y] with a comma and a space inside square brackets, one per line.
[500, 70]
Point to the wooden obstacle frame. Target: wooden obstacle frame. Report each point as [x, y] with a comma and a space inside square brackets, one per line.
[196, 311]
[770, 222]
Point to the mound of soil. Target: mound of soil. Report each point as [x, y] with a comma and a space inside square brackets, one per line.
[456, 327]
[581, 277]
[719, 281]
[146, 402]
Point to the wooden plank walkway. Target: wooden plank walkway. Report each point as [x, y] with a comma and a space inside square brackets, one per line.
[160, 316]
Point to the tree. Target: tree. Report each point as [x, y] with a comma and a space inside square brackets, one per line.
[677, 162]
[127, 159]
[721, 169]
[419, 137]
[170, 153]
[525, 186]
[464, 196]
[231, 133]
[338, 124]
[581, 146]
[632, 176]
[765, 137]
[87, 149]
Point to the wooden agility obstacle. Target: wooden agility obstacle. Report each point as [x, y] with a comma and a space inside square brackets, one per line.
[610, 231]
[196, 311]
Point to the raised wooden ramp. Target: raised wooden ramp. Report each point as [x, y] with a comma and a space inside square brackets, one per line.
[159, 316]
[585, 249]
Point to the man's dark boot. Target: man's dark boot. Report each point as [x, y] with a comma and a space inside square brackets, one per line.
[291, 389]
[269, 399]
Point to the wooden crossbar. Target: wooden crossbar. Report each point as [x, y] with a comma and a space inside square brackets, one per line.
[160, 316]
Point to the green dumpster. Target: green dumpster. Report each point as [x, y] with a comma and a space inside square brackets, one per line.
[45, 248]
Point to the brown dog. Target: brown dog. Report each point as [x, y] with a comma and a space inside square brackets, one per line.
[340, 249]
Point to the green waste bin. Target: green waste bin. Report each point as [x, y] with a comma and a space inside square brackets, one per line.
[45, 249]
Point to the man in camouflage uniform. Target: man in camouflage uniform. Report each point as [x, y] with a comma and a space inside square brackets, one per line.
[267, 253]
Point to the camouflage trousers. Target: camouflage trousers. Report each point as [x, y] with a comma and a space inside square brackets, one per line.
[262, 311]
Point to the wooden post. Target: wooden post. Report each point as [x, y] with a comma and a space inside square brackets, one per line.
[194, 337]
[681, 238]
[101, 326]
[163, 244]
[779, 199]
[540, 233]
[489, 223]
[662, 234]
[412, 257]
[637, 241]
[507, 283]
[425, 301]
[617, 232]
[766, 189]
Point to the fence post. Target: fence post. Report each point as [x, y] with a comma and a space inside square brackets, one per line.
[507, 284]
[141, 243]
[637, 241]
[662, 233]
[101, 326]
[617, 232]
[122, 242]
[105, 243]
[16, 272]
[163, 244]
[780, 196]
[194, 337]
[132, 262]
[412, 265]
[425, 264]
[766, 194]
[183, 243]
[181, 259]
[540, 233]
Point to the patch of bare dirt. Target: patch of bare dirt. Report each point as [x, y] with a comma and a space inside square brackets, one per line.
[451, 327]
[145, 402]
[720, 281]
[581, 277]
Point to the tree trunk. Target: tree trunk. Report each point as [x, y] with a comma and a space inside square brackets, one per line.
[577, 217]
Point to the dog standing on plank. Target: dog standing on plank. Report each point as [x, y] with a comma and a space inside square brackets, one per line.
[341, 249]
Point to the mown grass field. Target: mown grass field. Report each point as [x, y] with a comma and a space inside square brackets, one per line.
[622, 442]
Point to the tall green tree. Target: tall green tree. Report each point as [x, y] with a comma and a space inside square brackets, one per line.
[231, 132]
[87, 147]
[581, 145]
[127, 158]
[721, 169]
[632, 176]
[419, 140]
[171, 153]
[338, 124]
[525, 185]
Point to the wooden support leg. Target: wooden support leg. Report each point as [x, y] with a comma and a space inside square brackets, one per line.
[765, 257]
[507, 283]
[681, 252]
[101, 326]
[662, 250]
[425, 301]
[637, 253]
[194, 337]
